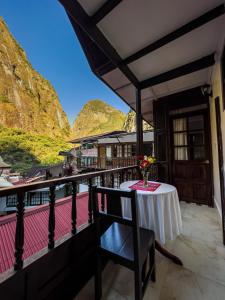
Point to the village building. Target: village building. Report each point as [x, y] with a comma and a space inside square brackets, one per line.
[109, 150]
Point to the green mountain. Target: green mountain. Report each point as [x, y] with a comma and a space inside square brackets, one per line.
[130, 122]
[97, 117]
[23, 150]
[27, 100]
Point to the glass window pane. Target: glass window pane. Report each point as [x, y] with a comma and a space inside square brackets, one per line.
[180, 139]
[180, 153]
[119, 151]
[198, 153]
[179, 124]
[196, 122]
[108, 152]
[197, 138]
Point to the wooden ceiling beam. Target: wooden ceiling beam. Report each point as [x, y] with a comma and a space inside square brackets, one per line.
[203, 19]
[194, 66]
[81, 18]
[104, 10]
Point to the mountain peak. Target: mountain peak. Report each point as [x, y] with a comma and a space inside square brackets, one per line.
[97, 117]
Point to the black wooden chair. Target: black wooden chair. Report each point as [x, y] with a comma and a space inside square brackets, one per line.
[124, 242]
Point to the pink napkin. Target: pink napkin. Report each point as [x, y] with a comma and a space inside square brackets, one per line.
[152, 186]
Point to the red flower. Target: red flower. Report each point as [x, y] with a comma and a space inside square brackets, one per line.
[144, 164]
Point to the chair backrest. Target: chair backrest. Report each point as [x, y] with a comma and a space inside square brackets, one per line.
[100, 215]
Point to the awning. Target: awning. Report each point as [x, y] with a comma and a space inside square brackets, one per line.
[161, 47]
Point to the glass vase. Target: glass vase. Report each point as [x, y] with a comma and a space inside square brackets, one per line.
[145, 179]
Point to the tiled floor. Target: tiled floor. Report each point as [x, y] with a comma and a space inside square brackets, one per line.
[202, 276]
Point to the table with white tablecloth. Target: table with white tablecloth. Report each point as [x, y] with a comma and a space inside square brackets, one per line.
[158, 210]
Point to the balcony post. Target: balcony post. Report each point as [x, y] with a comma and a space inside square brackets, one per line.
[139, 125]
[19, 238]
[90, 204]
[51, 221]
[74, 208]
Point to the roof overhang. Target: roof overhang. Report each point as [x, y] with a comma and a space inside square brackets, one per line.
[161, 47]
[94, 138]
[123, 138]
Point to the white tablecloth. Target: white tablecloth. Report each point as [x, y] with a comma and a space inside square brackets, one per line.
[158, 210]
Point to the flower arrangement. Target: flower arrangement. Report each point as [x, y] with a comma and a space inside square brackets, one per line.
[145, 163]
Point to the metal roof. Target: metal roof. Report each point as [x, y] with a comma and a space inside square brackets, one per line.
[94, 138]
[159, 47]
[36, 228]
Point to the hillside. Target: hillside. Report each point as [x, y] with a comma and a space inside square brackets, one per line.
[23, 150]
[130, 122]
[97, 117]
[27, 100]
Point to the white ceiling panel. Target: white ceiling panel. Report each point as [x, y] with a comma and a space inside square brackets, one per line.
[91, 6]
[190, 47]
[134, 24]
[129, 95]
[190, 80]
[116, 79]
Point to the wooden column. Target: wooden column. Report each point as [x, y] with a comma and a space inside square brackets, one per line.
[139, 126]
[74, 208]
[19, 238]
[51, 220]
[90, 203]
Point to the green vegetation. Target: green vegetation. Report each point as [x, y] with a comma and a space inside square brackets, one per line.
[4, 99]
[23, 150]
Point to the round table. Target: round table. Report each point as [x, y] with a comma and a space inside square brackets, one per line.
[158, 211]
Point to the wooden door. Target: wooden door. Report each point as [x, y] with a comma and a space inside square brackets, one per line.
[190, 151]
[102, 157]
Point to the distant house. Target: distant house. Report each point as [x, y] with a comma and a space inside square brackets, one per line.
[112, 149]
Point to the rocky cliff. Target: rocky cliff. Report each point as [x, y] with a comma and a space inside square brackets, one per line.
[27, 100]
[130, 123]
[97, 117]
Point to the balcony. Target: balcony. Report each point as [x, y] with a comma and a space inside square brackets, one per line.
[38, 275]
[41, 248]
[89, 162]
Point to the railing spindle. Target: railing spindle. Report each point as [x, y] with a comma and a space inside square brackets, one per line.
[90, 204]
[74, 208]
[112, 180]
[51, 220]
[19, 237]
[126, 175]
[102, 195]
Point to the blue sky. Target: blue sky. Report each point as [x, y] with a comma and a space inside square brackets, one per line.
[43, 30]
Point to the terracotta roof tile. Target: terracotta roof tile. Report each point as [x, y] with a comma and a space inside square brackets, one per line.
[36, 228]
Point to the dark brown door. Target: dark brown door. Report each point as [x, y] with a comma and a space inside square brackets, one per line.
[190, 153]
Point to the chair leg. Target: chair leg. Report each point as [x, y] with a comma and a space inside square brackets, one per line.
[138, 285]
[144, 270]
[152, 262]
[98, 278]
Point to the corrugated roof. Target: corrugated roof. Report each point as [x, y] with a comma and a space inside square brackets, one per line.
[36, 228]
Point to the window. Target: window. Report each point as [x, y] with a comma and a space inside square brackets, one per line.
[108, 151]
[119, 151]
[189, 138]
[127, 150]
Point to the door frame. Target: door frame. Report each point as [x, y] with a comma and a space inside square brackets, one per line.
[221, 160]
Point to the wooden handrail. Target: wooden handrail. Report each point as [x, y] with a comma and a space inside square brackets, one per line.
[22, 189]
[57, 181]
